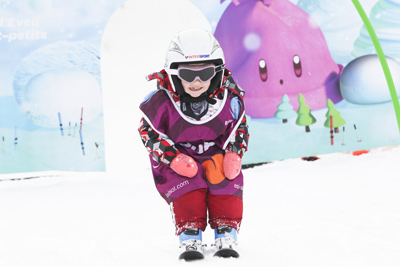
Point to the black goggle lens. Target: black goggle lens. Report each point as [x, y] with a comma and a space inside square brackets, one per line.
[204, 74]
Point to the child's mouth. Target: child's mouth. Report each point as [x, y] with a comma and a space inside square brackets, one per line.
[195, 88]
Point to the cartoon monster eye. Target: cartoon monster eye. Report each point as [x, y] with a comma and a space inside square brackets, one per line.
[297, 66]
[262, 66]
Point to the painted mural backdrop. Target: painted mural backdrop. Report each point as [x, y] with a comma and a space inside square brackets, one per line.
[51, 115]
[307, 67]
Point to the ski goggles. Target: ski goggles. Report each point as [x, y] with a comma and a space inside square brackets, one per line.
[189, 73]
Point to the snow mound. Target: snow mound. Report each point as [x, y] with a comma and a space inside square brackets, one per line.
[61, 91]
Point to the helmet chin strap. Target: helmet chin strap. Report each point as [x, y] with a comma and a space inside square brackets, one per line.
[186, 98]
[196, 107]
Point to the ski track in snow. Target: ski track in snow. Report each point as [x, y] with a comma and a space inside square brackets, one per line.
[341, 210]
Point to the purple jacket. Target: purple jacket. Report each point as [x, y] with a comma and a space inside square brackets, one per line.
[200, 139]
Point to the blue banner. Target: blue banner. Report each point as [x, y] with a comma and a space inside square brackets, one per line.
[51, 115]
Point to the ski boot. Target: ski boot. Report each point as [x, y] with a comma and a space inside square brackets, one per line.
[225, 242]
[191, 245]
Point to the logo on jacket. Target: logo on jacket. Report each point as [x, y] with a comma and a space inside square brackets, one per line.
[235, 107]
[227, 122]
[238, 187]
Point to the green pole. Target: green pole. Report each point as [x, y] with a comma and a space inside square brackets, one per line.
[382, 59]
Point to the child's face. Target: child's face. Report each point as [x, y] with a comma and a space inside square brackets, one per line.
[197, 86]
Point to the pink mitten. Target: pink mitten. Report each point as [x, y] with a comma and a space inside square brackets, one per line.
[232, 165]
[184, 165]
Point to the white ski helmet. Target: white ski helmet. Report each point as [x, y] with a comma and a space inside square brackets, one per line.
[194, 46]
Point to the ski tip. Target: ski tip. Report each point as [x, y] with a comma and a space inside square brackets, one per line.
[226, 253]
[191, 255]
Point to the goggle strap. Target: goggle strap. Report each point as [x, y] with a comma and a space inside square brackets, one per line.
[217, 69]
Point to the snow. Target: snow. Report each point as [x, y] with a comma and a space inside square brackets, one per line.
[341, 210]
[136, 52]
[358, 90]
[82, 56]
[65, 92]
[252, 42]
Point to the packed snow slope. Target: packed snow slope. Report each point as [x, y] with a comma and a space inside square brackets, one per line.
[341, 210]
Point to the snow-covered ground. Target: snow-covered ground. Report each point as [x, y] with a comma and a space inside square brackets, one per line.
[341, 210]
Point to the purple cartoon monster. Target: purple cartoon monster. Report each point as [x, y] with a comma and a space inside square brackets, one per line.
[274, 48]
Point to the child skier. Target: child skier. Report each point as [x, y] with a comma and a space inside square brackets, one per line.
[194, 128]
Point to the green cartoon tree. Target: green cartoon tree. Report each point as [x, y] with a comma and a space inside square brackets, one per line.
[305, 118]
[285, 110]
[337, 120]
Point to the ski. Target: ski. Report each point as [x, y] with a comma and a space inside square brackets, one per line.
[193, 250]
[225, 242]
[191, 255]
[226, 253]
[191, 244]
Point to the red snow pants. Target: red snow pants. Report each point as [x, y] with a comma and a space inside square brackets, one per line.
[190, 210]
